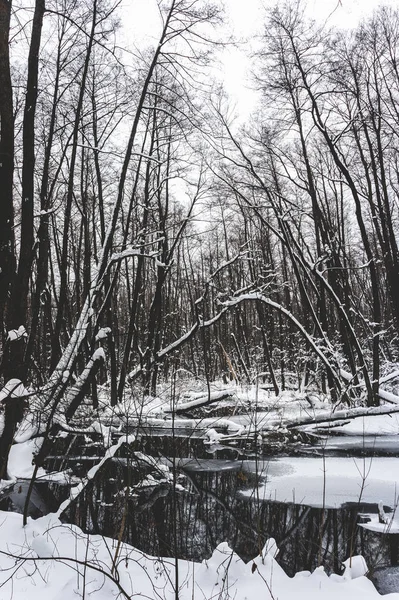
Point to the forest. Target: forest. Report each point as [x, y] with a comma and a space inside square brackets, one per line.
[159, 255]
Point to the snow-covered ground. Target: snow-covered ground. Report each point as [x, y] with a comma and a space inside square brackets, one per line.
[48, 560]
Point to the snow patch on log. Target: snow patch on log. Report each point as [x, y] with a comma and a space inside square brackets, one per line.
[103, 333]
[13, 335]
[14, 388]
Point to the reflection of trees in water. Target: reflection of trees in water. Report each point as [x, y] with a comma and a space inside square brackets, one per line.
[211, 510]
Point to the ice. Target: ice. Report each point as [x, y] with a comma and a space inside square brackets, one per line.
[330, 482]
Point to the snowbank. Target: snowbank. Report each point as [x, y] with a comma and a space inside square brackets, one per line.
[48, 560]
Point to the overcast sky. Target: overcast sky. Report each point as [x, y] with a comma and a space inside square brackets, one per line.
[142, 27]
[143, 20]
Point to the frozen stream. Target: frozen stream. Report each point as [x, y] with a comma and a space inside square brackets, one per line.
[228, 493]
[328, 482]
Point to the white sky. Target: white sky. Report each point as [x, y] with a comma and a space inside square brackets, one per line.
[247, 19]
[344, 13]
[245, 14]
[142, 27]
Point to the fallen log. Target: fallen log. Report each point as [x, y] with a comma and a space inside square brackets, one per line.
[201, 401]
[350, 413]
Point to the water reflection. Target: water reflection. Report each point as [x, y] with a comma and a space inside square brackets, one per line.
[200, 503]
[166, 521]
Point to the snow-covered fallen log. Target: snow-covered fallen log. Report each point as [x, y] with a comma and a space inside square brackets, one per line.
[338, 415]
[383, 394]
[202, 400]
[199, 424]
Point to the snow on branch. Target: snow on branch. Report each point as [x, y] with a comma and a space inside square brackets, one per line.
[128, 253]
[257, 296]
[103, 333]
[388, 396]
[13, 335]
[14, 388]
[161, 354]
[75, 491]
[96, 359]
[383, 394]
[393, 375]
[220, 268]
[177, 343]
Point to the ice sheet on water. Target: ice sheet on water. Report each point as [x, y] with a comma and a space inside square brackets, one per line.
[329, 482]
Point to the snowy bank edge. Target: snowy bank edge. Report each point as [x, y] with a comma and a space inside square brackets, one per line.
[54, 560]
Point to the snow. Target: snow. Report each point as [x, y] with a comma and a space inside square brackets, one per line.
[392, 525]
[14, 388]
[99, 354]
[47, 551]
[388, 396]
[103, 333]
[329, 482]
[201, 400]
[6, 484]
[373, 425]
[104, 431]
[16, 334]
[29, 427]
[21, 466]
[20, 459]
[213, 437]
[355, 567]
[390, 376]
[48, 559]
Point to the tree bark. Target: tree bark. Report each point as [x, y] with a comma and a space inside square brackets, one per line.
[21, 289]
[7, 256]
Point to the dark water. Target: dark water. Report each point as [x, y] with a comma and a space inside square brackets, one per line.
[191, 523]
[202, 505]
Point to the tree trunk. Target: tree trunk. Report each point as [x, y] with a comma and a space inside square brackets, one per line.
[21, 289]
[7, 257]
